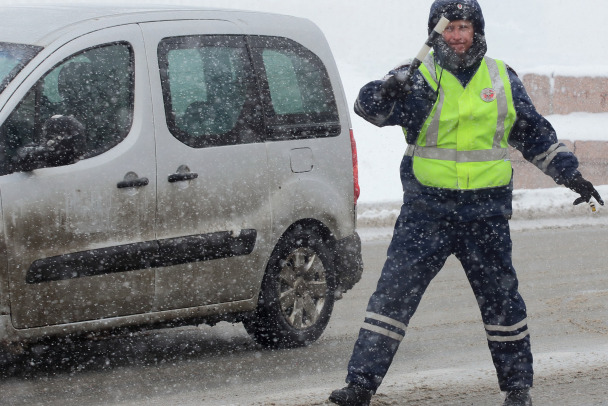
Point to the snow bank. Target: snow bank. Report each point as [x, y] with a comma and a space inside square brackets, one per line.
[581, 126]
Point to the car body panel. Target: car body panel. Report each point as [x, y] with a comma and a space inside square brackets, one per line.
[230, 194]
[77, 208]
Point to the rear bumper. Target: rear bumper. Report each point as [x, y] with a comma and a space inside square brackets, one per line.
[348, 263]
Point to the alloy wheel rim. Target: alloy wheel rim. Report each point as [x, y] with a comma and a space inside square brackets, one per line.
[302, 288]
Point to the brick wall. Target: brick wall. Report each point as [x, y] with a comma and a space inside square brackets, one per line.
[564, 95]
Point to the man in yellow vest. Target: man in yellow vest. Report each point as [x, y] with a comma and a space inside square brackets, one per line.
[459, 115]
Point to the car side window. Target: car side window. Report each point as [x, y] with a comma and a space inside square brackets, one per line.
[95, 86]
[298, 98]
[208, 90]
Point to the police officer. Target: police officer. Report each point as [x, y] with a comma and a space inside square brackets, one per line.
[459, 116]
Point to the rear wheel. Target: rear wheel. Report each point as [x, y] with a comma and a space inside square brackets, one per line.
[11, 354]
[297, 295]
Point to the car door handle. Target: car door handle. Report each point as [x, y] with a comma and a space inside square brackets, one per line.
[178, 177]
[132, 180]
[181, 174]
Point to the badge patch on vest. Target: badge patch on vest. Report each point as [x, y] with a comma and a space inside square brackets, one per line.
[488, 95]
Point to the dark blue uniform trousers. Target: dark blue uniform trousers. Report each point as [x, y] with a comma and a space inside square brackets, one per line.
[416, 254]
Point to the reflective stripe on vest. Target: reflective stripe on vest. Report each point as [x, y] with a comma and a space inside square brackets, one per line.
[463, 142]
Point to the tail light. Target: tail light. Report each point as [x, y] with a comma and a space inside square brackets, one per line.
[353, 146]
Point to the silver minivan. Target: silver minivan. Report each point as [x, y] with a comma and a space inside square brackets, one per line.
[170, 167]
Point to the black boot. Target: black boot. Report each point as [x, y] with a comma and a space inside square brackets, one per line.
[352, 395]
[518, 397]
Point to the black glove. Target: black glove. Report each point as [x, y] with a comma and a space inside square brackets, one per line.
[393, 87]
[584, 188]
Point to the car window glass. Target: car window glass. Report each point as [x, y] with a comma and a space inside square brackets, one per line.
[187, 81]
[50, 89]
[95, 87]
[300, 100]
[285, 92]
[207, 89]
[7, 65]
[296, 84]
[13, 57]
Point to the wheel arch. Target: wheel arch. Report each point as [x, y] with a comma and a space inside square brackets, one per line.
[268, 324]
[310, 224]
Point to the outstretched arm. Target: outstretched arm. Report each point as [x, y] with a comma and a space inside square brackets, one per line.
[536, 139]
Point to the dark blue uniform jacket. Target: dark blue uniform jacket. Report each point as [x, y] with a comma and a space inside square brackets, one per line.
[531, 134]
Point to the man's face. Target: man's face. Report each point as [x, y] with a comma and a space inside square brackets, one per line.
[459, 35]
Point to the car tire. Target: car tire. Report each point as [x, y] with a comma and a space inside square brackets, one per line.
[297, 295]
[10, 357]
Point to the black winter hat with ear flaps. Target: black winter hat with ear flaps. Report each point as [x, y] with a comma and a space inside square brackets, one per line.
[457, 10]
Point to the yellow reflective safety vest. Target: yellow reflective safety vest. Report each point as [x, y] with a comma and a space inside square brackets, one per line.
[463, 142]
